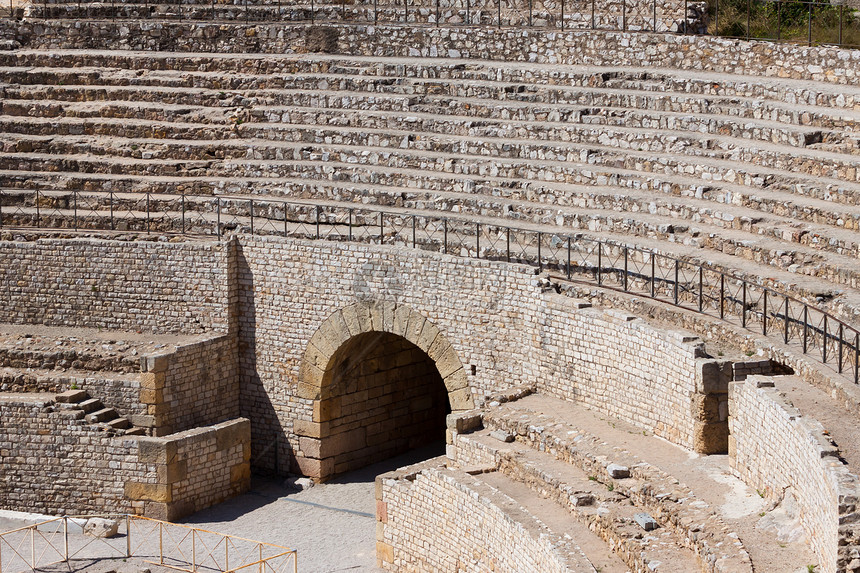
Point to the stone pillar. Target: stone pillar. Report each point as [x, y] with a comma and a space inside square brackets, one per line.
[710, 405]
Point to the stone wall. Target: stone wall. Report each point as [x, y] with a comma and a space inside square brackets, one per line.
[435, 520]
[778, 451]
[130, 285]
[586, 47]
[197, 384]
[195, 469]
[618, 364]
[503, 328]
[55, 463]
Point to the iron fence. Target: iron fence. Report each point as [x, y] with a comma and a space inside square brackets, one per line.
[811, 22]
[170, 545]
[608, 264]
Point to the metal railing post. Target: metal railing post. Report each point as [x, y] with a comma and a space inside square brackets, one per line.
[531, 11]
[857, 358]
[701, 294]
[128, 536]
[147, 211]
[562, 15]
[161, 543]
[251, 209]
[405, 11]
[599, 262]
[445, 236]
[785, 332]
[653, 274]
[749, 11]
[626, 256]
[593, 22]
[509, 244]
[194, 550]
[805, 328]
[676, 287]
[686, 17]
[1, 208]
[381, 229]
[75, 209]
[478, 240]
[218, 219]
[722, 296]
[110, 200]
[744, 305]
[654, 15]
[568, 257]
[499, 13]
[182, 200]
[33, 547]
[468, 15]
[350, 224]
[38, 211]
[65, 539]
[540, 258]
[764, 314]
[809, 26]
[318, 221]
[840, 352]
[376, 11]
[413, 232]
[824, 342]
[438, 12]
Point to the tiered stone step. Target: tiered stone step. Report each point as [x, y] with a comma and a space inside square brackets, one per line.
[80, 405]
[514, 140]
[582, 462]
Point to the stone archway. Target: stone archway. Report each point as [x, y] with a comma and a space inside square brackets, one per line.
[380, 378]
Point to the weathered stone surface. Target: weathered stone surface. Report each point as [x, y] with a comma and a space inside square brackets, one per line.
[100, 527]
[645, 521]
[617, 471]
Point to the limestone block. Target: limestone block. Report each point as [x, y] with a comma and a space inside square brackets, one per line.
[645, 521]
[310, 429]
[232, 433]
[384, 552]
[100, 527]
[461, 399]
[617, 471]
[148, 492]
[457, 380]
[173, 472]
[502, 436]
[713, 376]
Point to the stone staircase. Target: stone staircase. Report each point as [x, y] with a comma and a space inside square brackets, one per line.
[81, 406]
[627, 512]
[754, 176]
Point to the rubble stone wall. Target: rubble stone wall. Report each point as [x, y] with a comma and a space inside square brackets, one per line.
[586, 47]
[778, 451]
[121, 285]
[164, 478]
[196, 385]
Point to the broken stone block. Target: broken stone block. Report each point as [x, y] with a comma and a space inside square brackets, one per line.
[617, 471]
[298, 483]
[502, 436]
[581, 499]
[646, 522]
[100, 527]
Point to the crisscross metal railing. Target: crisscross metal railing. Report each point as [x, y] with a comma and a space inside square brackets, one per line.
[684, 283]
[170, 545]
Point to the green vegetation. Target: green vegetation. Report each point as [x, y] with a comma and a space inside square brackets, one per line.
[787, 21]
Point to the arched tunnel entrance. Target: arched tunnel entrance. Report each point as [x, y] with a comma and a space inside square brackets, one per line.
[380, 379]
[382, 397]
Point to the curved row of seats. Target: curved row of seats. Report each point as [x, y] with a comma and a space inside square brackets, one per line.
[755, 175]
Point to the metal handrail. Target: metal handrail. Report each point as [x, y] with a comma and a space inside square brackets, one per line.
[609, 264]
[629, 16]
[264, 557]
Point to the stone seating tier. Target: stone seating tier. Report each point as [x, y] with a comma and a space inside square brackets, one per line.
[668, 158]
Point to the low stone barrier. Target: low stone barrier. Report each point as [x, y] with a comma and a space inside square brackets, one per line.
[777, 450]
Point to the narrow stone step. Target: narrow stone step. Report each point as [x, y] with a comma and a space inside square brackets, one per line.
[103, 415]
[71, 397]
[91, 405]
[135, 431]
[119, 423]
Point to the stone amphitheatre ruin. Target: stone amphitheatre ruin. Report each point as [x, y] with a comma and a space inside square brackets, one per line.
[605, 255]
